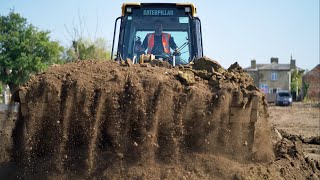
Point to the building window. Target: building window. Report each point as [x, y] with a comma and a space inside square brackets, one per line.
[274, 76]
[270, 90]
[273, 90]
[264, 88]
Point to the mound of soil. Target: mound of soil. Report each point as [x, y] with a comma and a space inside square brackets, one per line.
[300, 138]
[290, 163]
[149, 121]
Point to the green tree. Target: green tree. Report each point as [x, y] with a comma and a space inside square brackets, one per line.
[82, 49]
[296, 81]
[24, 50]
[305, 87]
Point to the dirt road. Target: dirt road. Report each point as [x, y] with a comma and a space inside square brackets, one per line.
[301, 119]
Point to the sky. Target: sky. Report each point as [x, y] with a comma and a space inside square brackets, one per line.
[232, 30]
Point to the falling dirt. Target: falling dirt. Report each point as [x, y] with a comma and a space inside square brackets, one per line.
[118, 121]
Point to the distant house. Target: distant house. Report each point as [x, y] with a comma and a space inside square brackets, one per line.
[272, 77]
[311, 82]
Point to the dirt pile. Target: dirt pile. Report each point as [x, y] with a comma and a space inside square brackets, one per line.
[300, 138]
[290, 163]
[5, 138]
[102, 119]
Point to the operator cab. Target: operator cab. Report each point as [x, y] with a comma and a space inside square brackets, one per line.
[179, 20]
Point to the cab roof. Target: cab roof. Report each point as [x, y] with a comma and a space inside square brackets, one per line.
[136, 4]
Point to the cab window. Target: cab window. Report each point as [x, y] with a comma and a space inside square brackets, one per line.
[137, 27]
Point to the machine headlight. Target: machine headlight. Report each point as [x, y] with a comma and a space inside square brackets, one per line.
[129, 10]
[290, 99]
[187, 9]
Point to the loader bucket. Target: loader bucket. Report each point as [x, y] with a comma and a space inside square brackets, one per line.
[93, 117]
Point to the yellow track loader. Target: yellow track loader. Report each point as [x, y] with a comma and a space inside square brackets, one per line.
[161, 104]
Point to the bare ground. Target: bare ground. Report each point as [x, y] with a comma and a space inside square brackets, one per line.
[114, 157]
[300, 119]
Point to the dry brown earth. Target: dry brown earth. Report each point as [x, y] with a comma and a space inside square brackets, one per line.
[300, 119]
[99, 119]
